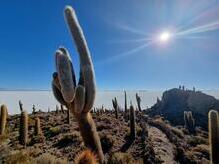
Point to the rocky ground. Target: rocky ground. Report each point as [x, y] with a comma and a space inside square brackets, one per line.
[156, 140]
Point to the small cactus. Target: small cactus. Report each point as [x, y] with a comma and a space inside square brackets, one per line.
[132, 122]
[21, 106]
[86, 157]
[3, 119]
[37, 128]
[213, 125]
[115, 106]
[138, 99]
[79, 98]
[23, 131]
[62, 108]
[34, 109]
[189, 121]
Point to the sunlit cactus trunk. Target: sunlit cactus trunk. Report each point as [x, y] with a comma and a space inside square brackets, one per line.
[37, 128]
[23, 131]
[79, 98]
[3, 119]
[213, 130]
[189, 122]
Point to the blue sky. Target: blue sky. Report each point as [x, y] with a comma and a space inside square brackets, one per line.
[119, 36]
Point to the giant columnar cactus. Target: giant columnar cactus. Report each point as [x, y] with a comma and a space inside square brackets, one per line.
[213, 125]
[34, 109]
[138, 99]
[115, 106]
[189, 121]
[21, 106]
[68, 116]
[37, 128]
[3, 119]
[23, 132]
[132, 122]
[79, 98]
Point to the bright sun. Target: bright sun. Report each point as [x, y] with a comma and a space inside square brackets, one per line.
[164, 37]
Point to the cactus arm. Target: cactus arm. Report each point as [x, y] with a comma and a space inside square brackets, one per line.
[57, 94]
[86, 64]
[64, 69]
[79, 100]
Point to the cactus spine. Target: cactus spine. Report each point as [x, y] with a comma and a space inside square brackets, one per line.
[189, 121]
[23, 136]
[79, 98]
[138, 99]
[21, 106]
[213, 125]
[115, 106]
[3, 119]
[132, 122]
[37, 129]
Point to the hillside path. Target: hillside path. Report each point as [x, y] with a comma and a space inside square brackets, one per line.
[164, 150]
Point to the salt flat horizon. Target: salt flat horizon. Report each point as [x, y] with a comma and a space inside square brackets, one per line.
[44, 99]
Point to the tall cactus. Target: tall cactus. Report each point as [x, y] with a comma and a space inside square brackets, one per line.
[37, 128]
[3, 119]
[126, 110]
[23, 132]
[21, 106]
[132, 122]
[189, 121]
[34, 109]
[62, 108]
[78, 98]
[138, 99]
[213, 125]
[115, 106]
[68, 116]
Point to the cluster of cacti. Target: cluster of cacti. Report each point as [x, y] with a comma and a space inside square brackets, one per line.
[132, 122]
[21, 106]
[78, 98]
[213, 125]
[189, 121]
[115, 106]
[138, 99]
[23, 131]
[34, 109]
[37, 128]
[3, 119]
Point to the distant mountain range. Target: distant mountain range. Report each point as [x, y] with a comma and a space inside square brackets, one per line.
[175, 101]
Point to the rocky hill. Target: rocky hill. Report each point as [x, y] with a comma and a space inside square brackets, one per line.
[175, 101]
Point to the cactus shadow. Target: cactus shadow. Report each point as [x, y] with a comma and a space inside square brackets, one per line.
[128, 143]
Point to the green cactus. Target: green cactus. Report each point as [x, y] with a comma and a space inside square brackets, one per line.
[78, 98]
[132, 122]
[37, 128]
[23, 131]
[115, 106]
[3, 119]
[21, 106]
[189, 121]
[213, 125]
[138, 99]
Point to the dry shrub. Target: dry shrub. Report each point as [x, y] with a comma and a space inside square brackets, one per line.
[86, 157]
[177, 132]
[19, 157]
[196, 140]
[49, 159]
[69, 139]
[121, 158]
[107, 142]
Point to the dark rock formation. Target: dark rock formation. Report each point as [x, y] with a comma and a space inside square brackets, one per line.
[175, 101]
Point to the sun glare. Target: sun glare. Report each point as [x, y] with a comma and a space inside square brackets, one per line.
[164, 37]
